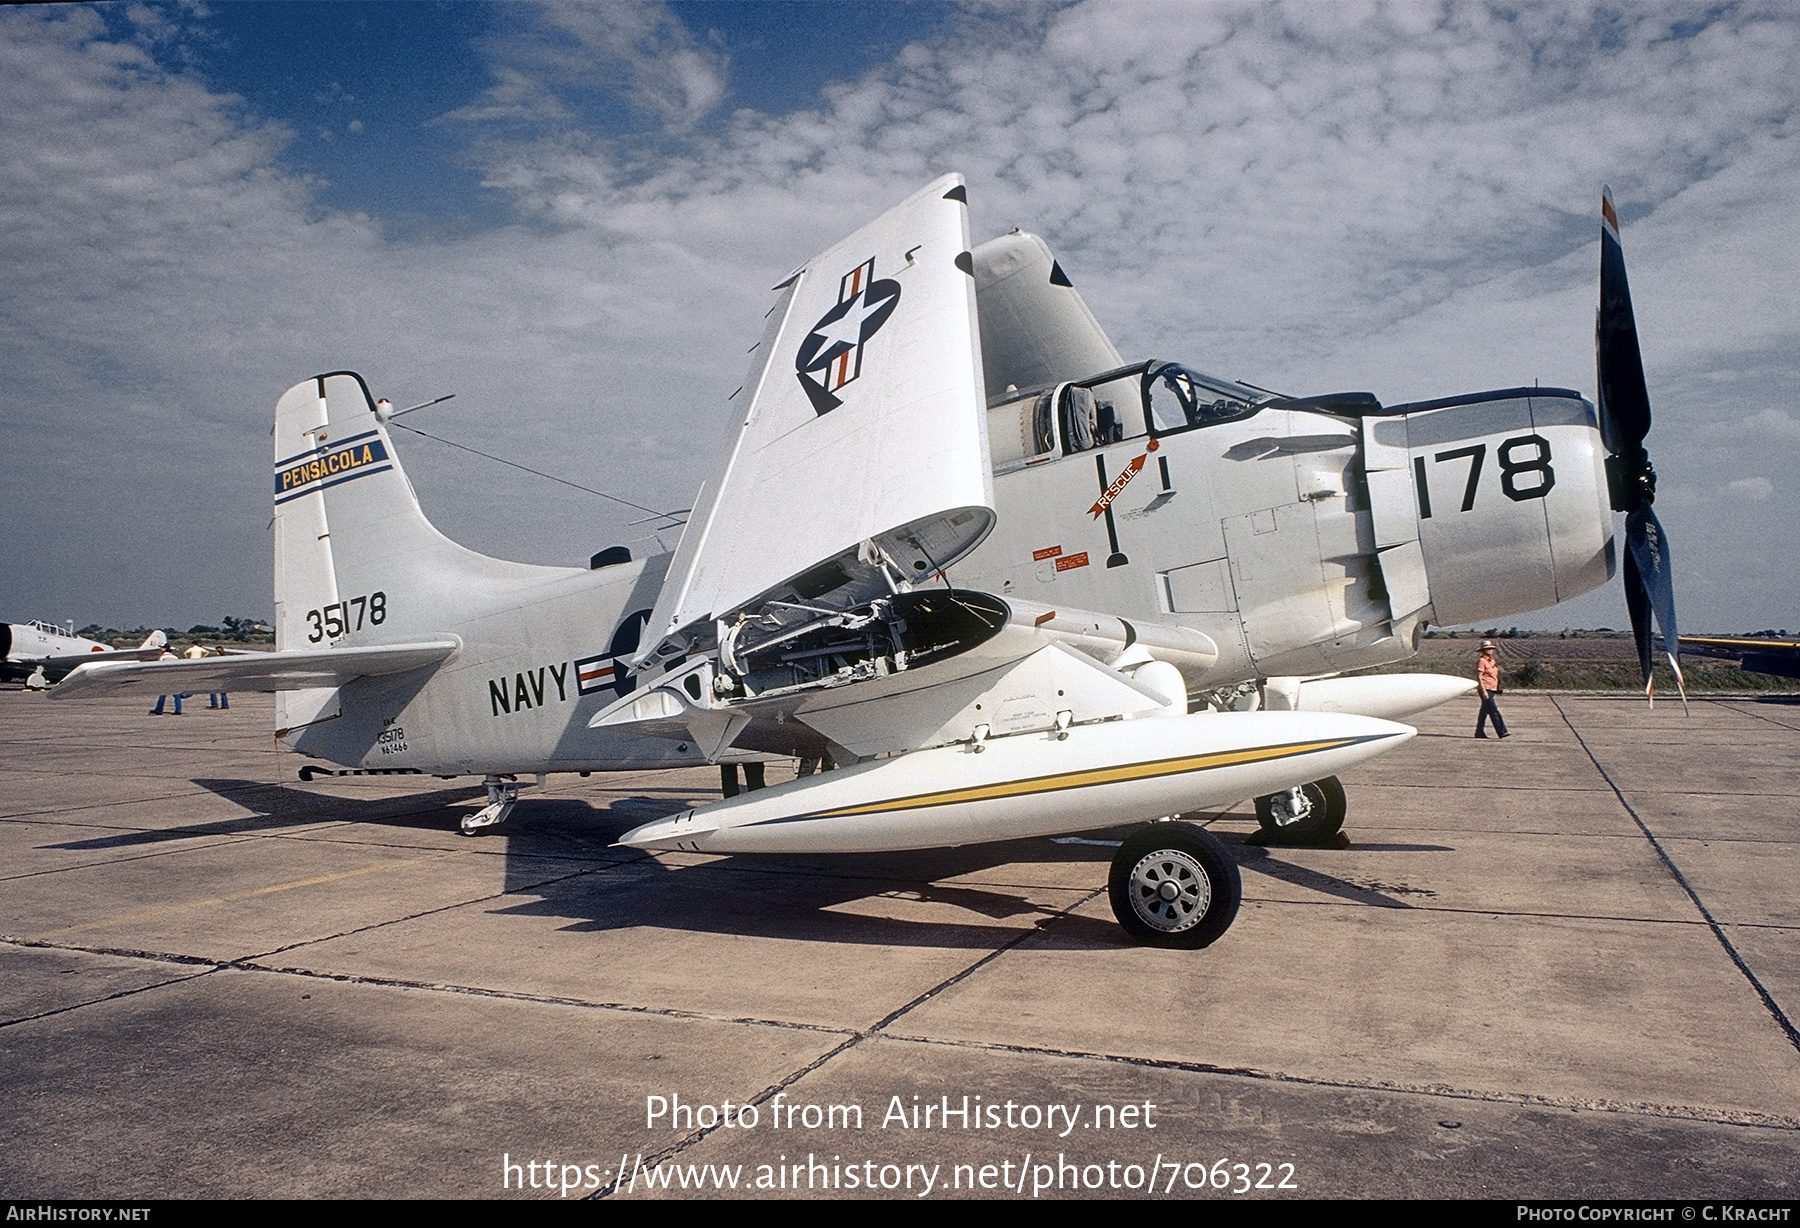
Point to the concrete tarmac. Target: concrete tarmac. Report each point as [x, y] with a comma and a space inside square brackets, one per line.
[1564, 965]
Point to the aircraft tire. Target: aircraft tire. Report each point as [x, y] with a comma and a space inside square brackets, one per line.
[1174, 886]
[1323, 819]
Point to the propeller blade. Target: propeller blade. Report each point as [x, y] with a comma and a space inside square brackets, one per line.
[1624, 406]
[1637, 604]
[1624, 401]
[1647, 553]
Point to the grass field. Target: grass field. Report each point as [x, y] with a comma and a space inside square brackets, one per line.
[1586, 662]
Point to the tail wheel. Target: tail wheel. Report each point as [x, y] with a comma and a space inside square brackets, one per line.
[1174, 886]
[1318, 816]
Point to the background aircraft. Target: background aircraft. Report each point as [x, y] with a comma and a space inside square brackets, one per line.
[1154, 571]
[1759, 655]
[26, 646]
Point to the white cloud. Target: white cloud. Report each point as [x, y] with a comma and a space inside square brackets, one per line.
[515, 95]
[1290, 189]
[1751, 490]
[1764, 428]
[639, 50]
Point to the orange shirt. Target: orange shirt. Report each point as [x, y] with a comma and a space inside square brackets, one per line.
[1488, 674]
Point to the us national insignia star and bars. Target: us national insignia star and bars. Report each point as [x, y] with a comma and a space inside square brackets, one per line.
[831, 355]
[594, 674]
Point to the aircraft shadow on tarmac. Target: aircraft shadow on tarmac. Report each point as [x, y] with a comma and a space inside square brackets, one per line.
[848, 898]
[275, 807]
[857, 898]
[560, 857]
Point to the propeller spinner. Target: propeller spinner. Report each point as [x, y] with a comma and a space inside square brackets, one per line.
[1624, 406]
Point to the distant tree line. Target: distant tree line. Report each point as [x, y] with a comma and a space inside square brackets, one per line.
[228, 630]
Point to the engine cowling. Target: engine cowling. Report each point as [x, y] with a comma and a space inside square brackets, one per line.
[1488, 504]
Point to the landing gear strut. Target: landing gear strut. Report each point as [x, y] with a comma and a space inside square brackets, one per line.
[1305, 814]
[1174, 886]
[503, 795]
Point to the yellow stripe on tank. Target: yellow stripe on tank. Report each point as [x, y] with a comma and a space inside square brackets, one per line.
[1084, 779]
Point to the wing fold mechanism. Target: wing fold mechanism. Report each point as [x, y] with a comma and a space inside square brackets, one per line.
[262, 671]
[930, 667]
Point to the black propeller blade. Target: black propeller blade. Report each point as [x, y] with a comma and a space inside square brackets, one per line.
[1624, 423]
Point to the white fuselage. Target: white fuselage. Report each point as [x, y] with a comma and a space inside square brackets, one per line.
[1261, 538]
[28, 644]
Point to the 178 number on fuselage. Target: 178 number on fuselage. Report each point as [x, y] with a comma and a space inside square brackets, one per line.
[1512, 467]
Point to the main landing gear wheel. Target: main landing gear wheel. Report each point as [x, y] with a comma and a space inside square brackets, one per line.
[1174, 886]
[1304, 815]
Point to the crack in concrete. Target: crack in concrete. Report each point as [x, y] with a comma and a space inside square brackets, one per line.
[851, 1042]
[221, 842]
[1638, 1107]
[523, 889]
[111, 997]
[880, 1030]
[253, 964]
[1768, 999]
[1513, 912]
[1761, 716]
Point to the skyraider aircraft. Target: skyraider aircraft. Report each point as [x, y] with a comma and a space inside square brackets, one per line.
[1013, 585]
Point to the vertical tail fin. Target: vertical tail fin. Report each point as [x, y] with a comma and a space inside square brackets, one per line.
[355, 557]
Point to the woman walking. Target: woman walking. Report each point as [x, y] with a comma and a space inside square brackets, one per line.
[1487, 679]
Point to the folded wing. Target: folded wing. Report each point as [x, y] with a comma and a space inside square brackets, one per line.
[862, 459]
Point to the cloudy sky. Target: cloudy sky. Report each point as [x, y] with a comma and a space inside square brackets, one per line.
[569, 215]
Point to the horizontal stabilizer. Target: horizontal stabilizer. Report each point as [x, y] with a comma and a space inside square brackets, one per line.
[262, 671]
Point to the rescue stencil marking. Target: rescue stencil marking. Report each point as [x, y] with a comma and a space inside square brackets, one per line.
[1087, 778]
[1072, 561]
[1048, 552]
[1124, 479]
[1118, 486]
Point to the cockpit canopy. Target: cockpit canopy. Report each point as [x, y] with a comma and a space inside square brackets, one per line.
[1146, 398]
